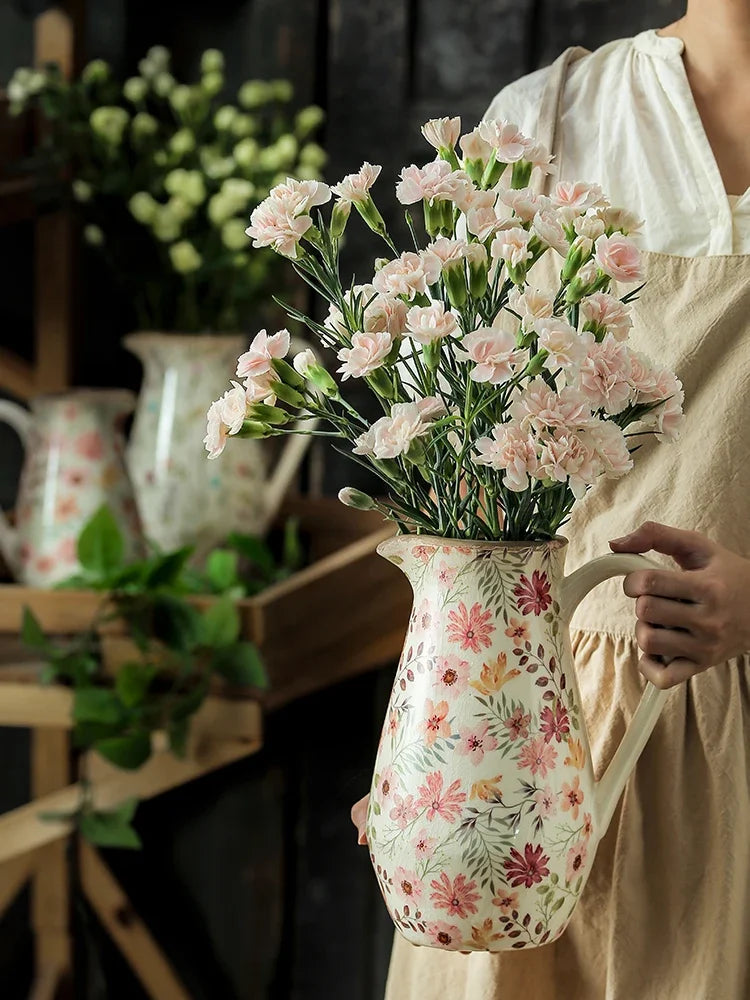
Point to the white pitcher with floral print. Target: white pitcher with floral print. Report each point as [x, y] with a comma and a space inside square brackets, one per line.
[484, 811]
[74, 464]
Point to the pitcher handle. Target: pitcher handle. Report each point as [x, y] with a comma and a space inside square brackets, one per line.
[20, 420]
[574, 588]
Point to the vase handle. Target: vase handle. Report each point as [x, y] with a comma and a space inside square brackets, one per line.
[20, 420]
[574, 588]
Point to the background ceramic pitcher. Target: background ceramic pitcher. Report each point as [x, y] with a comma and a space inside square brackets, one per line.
[74, 463]
[484, 812]
[182, 499]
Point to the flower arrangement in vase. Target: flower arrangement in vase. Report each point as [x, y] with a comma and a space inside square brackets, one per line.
[161, 174]
[497, 348]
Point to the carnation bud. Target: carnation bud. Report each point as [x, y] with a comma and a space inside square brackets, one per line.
[163, 84]
[97, 71]
[135, 89]
[287, 374]
[351, 497]
[255, 429]
[287, 394]
[308, 119]
[521, 174]
[254, 93]
[454, 276]
[339, 218]
[212, 61]
[579, 252]
[269, 414]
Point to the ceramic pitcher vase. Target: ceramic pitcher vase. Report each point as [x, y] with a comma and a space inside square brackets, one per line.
[183, 499]
[484, 811]
[74, 464]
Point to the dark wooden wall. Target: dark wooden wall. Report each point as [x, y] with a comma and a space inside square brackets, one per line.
[251, 878]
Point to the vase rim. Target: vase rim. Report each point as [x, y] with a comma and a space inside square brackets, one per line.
[558, 542]
[143, 336]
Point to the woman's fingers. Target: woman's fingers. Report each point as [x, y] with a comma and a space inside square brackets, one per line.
[667, 675]
[668, 612]
[671, 643]
[679, 585]
[359, 818]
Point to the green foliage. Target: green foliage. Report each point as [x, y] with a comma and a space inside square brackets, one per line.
[164, 176]
[180, 648]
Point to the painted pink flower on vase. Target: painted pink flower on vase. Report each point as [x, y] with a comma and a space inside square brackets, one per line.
[388, 783]
[446, 804]
[424, 845]
[538, 756]
[546, 802]
[506, 900]
[470, 628]
[89, 445]
[403, 811]
[518, 724]
[527, 868]
[554, 722]
[475, 743]
[457, 897]
[444, 935]
[533, 595]
[576, 860]
[423, 553]
[451, 675]
[446, 576]
[572, 796]
[435, 723]
[407, 885]
[67, 551]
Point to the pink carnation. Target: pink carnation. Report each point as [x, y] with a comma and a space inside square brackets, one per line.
[409, 275]
[367, 352]
[607, 312]
[257, 359]
[392, 436]
[531, 304]
[565, 347]
[548, 227]
[524, 202]
[539, 406]
[568, 457]
[618, 257]
[356, 187]
[493, 352]
[481, 215]
[512, 246]
[442, 133]
[512, 450]
[474, 147]
[509, 143]
[605, 376]
[572, 198]
[428, 323]
[436, 180]
[611, 447]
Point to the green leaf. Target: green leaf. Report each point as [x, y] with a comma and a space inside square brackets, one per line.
[99, 705]
[86, 734]
[128, 752]
[132, 682]
[175, 623]
[31, 631]
[220, 624]
[189, 703]
[557, 904]
[100, 544]
[255, 550]
[554, 878]
[241, 664]
[164, 570]
[111, 829]
[221, 569]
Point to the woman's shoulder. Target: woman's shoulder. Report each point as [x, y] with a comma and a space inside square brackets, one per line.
[519, 101]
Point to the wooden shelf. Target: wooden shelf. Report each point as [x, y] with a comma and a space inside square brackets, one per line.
[344, 614]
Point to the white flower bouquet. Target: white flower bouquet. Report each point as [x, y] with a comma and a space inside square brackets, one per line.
[504, 399]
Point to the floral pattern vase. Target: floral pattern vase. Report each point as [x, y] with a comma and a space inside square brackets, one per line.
[74, 464]
[484, 812]
[183, 499]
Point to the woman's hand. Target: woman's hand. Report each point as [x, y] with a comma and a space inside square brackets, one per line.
[695, 616]
[359, 818]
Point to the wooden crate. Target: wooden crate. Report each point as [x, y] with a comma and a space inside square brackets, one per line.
[343, 614]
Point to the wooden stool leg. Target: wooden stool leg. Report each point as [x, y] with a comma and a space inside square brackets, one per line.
[50, 893]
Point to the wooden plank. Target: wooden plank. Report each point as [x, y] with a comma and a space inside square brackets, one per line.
[13, 876]
[50, 891]
[46, 983]
[23, 829]
[53, 302]
[50, 706]
[126, 928]
[16, 375]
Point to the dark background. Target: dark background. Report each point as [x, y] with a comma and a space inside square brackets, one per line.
[251, 878]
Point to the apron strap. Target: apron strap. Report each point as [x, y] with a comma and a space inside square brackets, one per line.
[549, 106]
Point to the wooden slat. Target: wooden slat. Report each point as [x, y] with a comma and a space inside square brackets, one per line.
[16, 375]
[126, 929]
[50, 896]
[23, 830]
[46, 983]
[53, 302]
[13, 876]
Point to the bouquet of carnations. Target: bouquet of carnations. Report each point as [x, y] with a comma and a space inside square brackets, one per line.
[504, 396]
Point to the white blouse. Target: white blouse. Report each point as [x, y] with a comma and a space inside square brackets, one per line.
[630, 123]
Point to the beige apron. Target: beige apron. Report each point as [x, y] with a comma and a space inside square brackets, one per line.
[666, 912]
